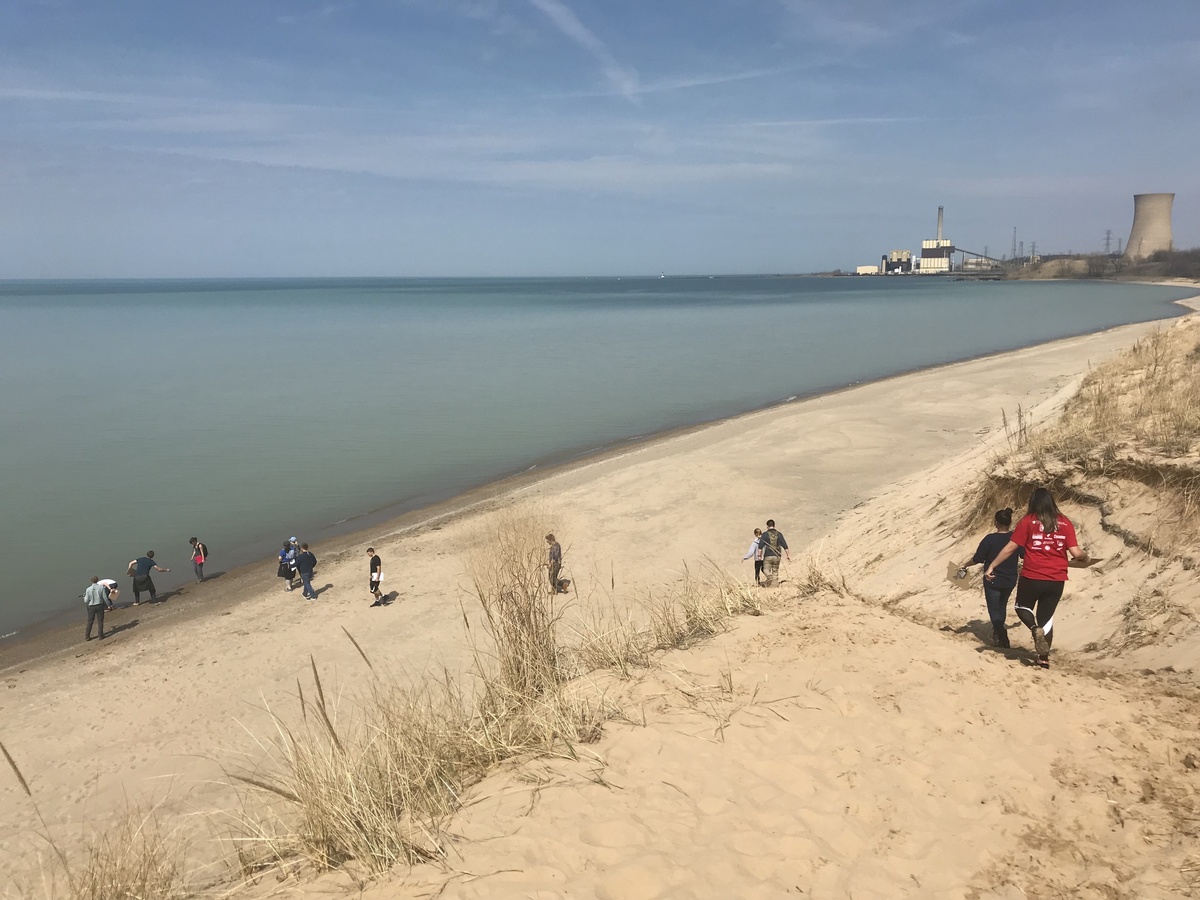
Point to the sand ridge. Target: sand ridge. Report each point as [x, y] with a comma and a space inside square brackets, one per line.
[155, 713]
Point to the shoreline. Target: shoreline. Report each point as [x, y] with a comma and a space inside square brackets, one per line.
[156, 715]
[57, 636]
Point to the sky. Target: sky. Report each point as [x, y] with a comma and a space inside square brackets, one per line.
[248, 138]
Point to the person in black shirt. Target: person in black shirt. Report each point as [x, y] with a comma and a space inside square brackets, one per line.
[996, 591]
[772, 542]
[306, 564]
[376, 576]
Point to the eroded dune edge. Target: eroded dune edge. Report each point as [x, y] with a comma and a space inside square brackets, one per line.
[850, 732]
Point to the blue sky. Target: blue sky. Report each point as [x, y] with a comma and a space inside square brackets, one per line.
[546, 137]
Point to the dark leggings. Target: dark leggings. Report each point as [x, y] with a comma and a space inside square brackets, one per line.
[757, 571]
[1042, 598]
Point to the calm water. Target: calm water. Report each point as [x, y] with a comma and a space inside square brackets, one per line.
[136, 414]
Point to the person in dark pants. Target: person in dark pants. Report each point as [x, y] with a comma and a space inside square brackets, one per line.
[140, 570]
[997, 590]
[554, 561]
[199, 555]
[95, 598]
[772, 542]
[1049, 539]
[756, 553]
[306, 564]
[376, 576]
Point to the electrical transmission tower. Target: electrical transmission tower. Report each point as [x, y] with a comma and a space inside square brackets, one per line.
[1107, 240]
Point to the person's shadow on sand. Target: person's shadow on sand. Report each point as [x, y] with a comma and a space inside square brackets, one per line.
[124, 626]
[982, 631]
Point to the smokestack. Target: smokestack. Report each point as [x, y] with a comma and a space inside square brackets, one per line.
[1151, 225]
[940, 222]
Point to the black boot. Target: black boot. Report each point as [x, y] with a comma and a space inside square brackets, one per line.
[1000, 633]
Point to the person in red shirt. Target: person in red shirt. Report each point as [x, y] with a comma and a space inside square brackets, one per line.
[1049, 539]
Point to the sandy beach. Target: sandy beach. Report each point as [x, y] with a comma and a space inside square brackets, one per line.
[861, 746]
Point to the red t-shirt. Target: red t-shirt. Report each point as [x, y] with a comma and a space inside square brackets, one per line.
[1045, 554]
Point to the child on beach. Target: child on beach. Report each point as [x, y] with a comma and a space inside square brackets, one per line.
[755, 553]
[997, 590]
[1049, 540]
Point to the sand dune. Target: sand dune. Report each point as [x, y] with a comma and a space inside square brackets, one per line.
[829, 748]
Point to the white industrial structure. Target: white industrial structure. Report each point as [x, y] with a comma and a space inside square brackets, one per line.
[1151, 225]
[936, 255]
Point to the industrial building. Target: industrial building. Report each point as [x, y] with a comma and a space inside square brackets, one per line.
[1151, 230]
[937, 254]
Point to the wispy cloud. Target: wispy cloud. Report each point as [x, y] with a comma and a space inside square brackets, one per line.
[624, 79]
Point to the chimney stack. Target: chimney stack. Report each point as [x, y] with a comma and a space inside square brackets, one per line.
[939, 237]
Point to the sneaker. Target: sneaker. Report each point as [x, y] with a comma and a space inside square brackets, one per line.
[1000, 635]
[1041, 646]
[1043, 662]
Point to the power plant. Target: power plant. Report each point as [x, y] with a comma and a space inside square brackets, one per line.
[1151, 225]
[1150, 234]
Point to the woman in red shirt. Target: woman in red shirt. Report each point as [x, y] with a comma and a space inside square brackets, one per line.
[1049, 539]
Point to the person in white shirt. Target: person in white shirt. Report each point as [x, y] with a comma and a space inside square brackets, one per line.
[755, 553]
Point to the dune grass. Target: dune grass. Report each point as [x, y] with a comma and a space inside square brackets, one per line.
[376, 780]
[131, 858]
[624, 639]
[1135, 418]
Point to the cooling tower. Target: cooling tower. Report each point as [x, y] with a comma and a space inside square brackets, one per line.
[1151, 225]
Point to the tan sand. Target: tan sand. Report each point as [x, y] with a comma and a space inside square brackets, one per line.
[862, 754]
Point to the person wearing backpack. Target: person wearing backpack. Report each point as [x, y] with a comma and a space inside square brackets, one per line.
[772, 543]
[199, 555]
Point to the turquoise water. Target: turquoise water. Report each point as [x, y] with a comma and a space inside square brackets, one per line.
[137, 414]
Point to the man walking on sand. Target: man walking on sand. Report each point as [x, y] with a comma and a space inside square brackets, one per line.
[554, 559]
[95, 598]
[376, 576]
[306, 563]
[140, 570]
[772, 542]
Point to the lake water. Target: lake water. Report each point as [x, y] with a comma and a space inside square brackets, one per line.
[136, 414]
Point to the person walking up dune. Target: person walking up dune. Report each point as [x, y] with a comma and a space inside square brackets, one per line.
[772, 542]
[1048, 538]
[756, 553]
[997, 590]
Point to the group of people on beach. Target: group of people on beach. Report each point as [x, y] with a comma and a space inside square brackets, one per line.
[295, 559]
[766, 550]
[101, 595]
[1032, 558]
[1045, 541]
